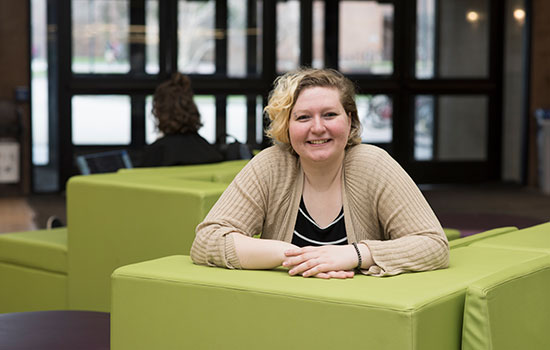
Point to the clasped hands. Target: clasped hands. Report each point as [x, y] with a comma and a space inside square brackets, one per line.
[331, 261]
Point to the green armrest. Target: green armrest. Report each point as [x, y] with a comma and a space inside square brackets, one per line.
[466, 241]
[510, 309]
[536, 238]
[170, 303]
[43, 249]
[451, 233]
[33, 270]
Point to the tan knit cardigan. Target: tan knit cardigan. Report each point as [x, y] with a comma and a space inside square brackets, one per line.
[383, 208]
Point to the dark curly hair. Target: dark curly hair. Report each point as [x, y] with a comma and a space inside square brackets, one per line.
[173, 106]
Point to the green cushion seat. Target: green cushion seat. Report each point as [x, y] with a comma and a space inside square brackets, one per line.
[44, 249]
[33, 270]
[233, 309]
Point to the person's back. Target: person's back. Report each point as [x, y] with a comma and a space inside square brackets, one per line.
[180, 149]
[178, 119]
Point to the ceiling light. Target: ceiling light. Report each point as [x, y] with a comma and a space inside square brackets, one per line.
[519, 15]
[472, 16]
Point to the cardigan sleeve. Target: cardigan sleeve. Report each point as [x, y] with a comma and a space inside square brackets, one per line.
[241, 208]
[413, 239]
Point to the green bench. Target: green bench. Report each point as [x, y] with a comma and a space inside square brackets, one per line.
[113, 220]
[171, 303]
[33, 270]
[143, 220]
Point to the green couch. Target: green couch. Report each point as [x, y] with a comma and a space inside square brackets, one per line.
[113, 220]
[142, 221]
[170, 303]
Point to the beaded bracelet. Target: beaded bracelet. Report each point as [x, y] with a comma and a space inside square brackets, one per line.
[359, 259]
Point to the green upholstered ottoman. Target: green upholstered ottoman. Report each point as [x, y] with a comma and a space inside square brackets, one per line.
[33, 270]
[118, 220]
[170, 303]
[536, 238]
[510, 309]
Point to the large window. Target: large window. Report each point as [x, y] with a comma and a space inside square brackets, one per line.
[449, 128]
[100, 36]
[452, 39]
[288, 35]
[428, 73]
[100, 120]
[196, 37]
[372, 51]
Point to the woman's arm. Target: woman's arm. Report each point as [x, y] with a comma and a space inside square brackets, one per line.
[224, 238]
[414, 239]
[254, 253]
[238, 212]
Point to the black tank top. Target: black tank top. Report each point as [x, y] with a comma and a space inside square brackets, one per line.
[308, 233]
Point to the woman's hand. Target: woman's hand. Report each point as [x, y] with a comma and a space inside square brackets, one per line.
[333, 261]
[335, 274]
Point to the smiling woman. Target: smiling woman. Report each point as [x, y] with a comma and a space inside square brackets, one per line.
[325, 205]
[319, 126]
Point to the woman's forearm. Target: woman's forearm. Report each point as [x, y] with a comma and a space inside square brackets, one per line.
[257, 253]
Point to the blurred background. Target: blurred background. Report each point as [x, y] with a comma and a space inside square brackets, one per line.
[448, 87]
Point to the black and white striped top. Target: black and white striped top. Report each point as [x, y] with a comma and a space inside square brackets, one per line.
[308, 233]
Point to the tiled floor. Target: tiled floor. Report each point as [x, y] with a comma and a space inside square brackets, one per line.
[489, 199]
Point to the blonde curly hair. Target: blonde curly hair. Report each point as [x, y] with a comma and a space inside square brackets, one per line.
[286, 91]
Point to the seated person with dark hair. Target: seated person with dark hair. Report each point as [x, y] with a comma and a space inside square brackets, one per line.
[178, 118]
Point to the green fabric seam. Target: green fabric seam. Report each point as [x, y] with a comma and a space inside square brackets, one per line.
[514, 278]
[408, 310]
[14, 263]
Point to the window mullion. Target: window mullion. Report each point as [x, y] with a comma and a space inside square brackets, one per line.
[221, 37]
[332, 15]
[251, 38]
[306, 32]
[137, 31]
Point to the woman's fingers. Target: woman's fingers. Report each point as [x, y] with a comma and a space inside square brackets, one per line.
[311, 266]
[293, 261]
[341, 274]
[335, 258]
[308, 265]
[323, 275]
[335, 274]
[298, 251]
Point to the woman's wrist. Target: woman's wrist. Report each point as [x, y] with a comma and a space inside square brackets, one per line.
[366, 256]
[359, 257]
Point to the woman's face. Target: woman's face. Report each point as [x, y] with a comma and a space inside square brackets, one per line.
[319, 126]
